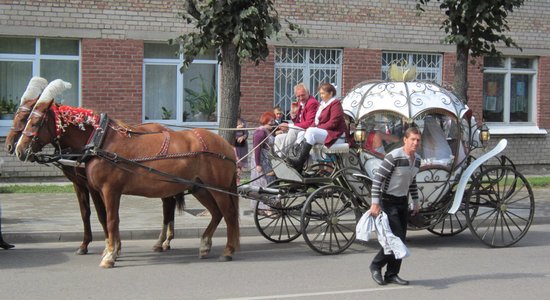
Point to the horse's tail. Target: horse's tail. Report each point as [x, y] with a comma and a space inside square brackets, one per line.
[180, 202]
[235, 203]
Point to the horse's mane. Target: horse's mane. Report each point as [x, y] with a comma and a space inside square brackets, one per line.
[67, 115]
[80, 117]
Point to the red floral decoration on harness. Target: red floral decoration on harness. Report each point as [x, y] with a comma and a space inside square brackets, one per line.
[68, 115]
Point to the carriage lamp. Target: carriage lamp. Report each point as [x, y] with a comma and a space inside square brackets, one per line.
[360, 133]
[484, 134]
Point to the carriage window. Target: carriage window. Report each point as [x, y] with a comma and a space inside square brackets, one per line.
[508, 90]
[23, 58]
[172, 97]
[384, 133]
[428, 65]
[311, 66]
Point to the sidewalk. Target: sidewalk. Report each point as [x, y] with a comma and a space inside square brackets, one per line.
[56, 217]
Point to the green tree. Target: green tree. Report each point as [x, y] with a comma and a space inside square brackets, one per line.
[476, 27]
[238, 30]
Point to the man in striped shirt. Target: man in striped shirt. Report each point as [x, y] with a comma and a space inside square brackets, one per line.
[393, 182]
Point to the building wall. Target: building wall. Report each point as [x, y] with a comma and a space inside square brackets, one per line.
[113, 34]
[12, 168]
[112, 76]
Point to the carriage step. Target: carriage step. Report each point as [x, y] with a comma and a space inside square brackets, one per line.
[265, 195]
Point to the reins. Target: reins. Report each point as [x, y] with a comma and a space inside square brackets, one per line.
[114, 159]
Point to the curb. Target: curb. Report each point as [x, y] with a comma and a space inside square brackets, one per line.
[147, 234]
[137, 234]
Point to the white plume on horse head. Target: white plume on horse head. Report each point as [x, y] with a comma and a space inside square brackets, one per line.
[34, 89]
[54, 89]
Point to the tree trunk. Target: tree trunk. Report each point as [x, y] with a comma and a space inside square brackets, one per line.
[231, 87]
[460, 81]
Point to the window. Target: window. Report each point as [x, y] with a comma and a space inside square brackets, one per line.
[23, 58]
[428, 65]
[508, 90]
[311, 66]
[172, 97]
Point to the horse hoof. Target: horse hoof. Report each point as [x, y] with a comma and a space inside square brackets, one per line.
[107, 264]
[81, 251]
[225, 258]
[166, 248]
[203, 254]
[157, 249]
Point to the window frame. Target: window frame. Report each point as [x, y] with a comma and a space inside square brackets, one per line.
[508, 71]
[36, 59]
[282, 97]
[178, 63]
[385, 65]
[507, 127]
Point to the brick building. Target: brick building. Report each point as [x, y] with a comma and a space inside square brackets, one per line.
[115, 54]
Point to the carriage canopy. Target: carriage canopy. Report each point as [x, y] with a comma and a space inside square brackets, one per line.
[407, 99]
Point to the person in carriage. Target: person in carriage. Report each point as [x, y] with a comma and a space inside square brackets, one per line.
[302, 115]
[329, 127]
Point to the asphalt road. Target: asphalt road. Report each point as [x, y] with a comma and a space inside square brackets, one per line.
[458, 267]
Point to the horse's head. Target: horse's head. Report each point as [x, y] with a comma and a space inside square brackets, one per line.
[40, 129]
[28, 100]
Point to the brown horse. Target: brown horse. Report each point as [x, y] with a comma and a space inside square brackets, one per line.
[78, 176]
[150, 165]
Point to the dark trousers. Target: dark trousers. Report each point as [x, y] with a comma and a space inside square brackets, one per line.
[396, 209]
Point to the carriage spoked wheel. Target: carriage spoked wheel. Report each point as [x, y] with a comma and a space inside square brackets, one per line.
[359, 185]
[500, 206]
[329, 217]
[451, 224]
[281, 223]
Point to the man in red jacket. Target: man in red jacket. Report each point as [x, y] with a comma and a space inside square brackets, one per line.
[304, 117]
[328, 126]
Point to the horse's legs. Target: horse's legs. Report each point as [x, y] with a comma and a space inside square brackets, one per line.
[84, 203]
[206, 199]
[112, 205]
[167, 232]
[101, 213]
[229, 206]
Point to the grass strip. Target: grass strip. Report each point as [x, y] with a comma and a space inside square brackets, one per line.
[39, 188]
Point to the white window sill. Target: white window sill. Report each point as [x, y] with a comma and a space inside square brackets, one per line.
[498, 129]
[4, 129]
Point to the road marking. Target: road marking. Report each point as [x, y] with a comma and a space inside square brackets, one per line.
[319, 293]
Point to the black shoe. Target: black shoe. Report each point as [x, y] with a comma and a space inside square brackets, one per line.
[377, 276]
[299, 162]
[397, 280]
[5, 245]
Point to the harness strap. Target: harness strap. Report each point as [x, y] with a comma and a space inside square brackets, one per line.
[114, 159]
[204, 147]
[96, 138]
[165, 144]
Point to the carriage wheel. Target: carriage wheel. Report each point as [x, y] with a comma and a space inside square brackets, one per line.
[451, 224]
[281, 224]
[360, 186]
[500, 206]
[328, 219]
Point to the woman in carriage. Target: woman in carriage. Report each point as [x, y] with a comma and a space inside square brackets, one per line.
[329, 127]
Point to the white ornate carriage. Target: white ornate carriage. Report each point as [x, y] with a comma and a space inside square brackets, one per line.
[487, 193]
